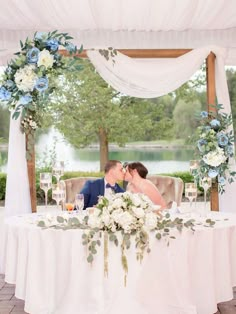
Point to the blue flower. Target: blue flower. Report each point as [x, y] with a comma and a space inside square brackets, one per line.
[41, 84]
[26, 99]
[212, 173]
[221, 180]
[215, 124]
[9, 84]
[204, 114]
[5, 95]
[222, 139]
[70, 47]
[52, 44]
[33, 55]
[200, 144]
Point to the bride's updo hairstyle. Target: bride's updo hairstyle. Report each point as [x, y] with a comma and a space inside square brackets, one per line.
[141, 169]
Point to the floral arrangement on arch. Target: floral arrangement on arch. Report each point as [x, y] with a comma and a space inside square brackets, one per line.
[215, 147]
[28, 79]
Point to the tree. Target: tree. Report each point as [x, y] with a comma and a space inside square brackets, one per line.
[87, 110]
[4, 122]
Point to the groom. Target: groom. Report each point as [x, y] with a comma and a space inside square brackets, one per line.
[104, 186]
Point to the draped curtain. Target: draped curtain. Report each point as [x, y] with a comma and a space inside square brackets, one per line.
[137, 78]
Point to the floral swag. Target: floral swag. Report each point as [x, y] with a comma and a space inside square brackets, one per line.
[215, 147]
[28, 80]
[121, 218]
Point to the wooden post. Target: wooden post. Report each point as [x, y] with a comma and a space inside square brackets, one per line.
[31, 174]
[211, 100]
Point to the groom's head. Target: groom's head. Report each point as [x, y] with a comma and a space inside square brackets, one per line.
[114, 170]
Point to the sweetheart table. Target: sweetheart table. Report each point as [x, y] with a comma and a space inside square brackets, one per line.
[191, 275]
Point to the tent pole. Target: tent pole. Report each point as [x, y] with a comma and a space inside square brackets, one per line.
[211, 100]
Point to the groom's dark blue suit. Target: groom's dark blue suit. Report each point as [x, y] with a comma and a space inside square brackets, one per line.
[93, 189]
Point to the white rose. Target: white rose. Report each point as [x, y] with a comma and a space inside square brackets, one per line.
[138, 211]
[126, 220]
[118, 203]
[115, 215]
[95, 221]
[150, 221]
[215, 158]
[106, 218]
[45, 59]
[33, 124]
[25, 78]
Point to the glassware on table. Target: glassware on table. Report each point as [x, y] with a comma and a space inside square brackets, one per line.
[79, 202]
[205, 183]
[191, 192]
[58, 169]
[45, 184]
[58, 193]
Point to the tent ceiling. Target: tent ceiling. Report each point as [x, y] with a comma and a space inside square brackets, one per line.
[123, 23]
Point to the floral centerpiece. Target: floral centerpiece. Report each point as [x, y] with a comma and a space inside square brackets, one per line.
[215, 147]
[121, 217]
[28, 80]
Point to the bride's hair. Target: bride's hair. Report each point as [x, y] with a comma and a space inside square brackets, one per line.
[141, 169]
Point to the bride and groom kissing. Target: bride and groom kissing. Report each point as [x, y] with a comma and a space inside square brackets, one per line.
[134, 173]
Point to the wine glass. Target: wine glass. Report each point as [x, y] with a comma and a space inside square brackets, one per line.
[191, 192]
[58, 193]
[205, 183]
[58, 169]
[45, 184]
[79, 202]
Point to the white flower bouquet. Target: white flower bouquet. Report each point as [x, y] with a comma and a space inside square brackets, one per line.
[215, 147]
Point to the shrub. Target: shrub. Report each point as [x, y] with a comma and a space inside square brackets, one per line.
[3, 178]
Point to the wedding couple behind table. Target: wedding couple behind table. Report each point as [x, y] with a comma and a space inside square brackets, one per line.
[135, 173]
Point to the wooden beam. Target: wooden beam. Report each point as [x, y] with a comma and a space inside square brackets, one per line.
[211, 100]
[32, 177]
[142, 53]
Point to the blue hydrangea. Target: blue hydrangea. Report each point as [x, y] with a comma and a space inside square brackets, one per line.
[33, 55]
[204, 114]
[212, 173]
[5, 95]
[52, 44]
[41, 84]
[215, 124]
[26, 99]
[222, 139]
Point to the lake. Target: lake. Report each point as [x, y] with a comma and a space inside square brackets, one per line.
[155, 159]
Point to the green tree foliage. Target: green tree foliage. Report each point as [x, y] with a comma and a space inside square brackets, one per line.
[4, 122]
[87, 110]
[231, 79]
[184, 118]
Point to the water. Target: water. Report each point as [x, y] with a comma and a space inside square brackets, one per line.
[155, 159]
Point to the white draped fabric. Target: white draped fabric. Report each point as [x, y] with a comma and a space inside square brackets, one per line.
[17, 199]
[124, 23]
[135, 78]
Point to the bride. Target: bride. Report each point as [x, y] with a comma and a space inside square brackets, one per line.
[136, 174]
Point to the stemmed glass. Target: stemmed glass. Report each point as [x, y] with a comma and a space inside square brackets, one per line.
[58, 193]
[45, 184]
[193, 165]
[79, 202]
[191, 192]
[58, 169]
[205, 183]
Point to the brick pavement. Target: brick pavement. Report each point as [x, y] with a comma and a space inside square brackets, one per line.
[10, 304]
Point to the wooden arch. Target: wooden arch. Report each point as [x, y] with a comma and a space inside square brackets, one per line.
[147, 53]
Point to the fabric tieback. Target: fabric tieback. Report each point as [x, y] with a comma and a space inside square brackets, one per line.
[113, 187]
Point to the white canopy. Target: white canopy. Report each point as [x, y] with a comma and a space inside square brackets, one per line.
[123, 23]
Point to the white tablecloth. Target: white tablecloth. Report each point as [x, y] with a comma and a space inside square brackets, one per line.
[191, 275]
